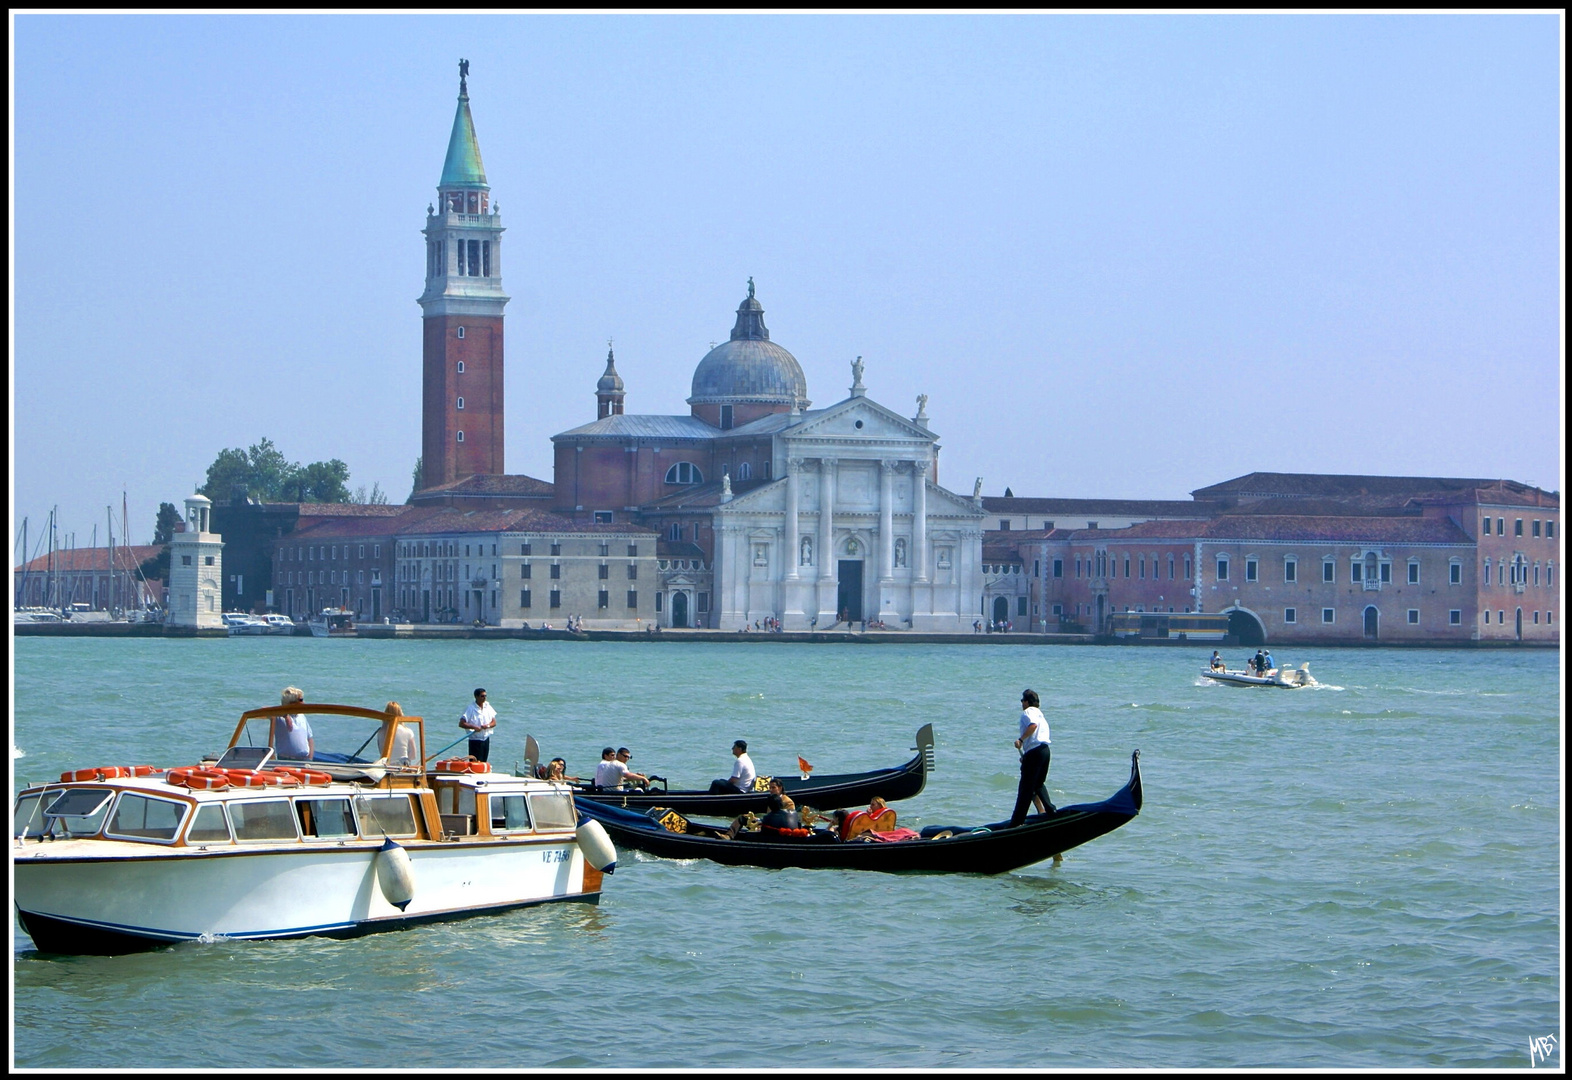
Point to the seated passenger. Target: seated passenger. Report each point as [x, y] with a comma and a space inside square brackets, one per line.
[406, 748]
[1217, 661]
[785, 817]
[881, 818]
[742, 772]
[613, 770]
[557, 770]
[292, 738]
[850, 824]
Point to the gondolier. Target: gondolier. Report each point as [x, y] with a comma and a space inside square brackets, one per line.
[1033, 745]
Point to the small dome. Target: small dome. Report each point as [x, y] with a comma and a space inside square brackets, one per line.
[750, 367]
[610, 382]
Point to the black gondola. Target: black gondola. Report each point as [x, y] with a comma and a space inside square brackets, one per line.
[821, 792]
[990, 849]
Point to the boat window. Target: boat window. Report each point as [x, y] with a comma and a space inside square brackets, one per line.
[266, 820]
[509, 814]
[209, 826]
[385, 815]
[553, 811]
[140, 817]
[79, 811]
[28, 816]
[455, 799]
[325, 818]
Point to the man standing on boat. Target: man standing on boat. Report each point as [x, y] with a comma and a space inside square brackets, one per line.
[742, 772]
[480, 719]
[1033, 745]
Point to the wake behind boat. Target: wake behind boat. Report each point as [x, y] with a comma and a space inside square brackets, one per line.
[1286, 678]
[988, 849]
[822, 792]
[360, 837]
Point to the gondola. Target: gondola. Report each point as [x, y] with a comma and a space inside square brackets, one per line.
[989, 849]
[820, 792]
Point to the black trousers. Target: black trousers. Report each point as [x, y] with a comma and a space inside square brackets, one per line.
[479, 749]
[1034, 774]
[724, 787]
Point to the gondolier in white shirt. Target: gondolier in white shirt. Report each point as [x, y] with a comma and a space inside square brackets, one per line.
[480, 720]
[1033, 745]
[742, 773]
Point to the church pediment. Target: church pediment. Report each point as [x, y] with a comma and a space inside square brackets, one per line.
[858, 419]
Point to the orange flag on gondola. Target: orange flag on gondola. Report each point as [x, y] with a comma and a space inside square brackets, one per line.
[805, 767]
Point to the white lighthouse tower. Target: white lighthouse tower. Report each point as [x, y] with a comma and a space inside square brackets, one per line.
[196, 567]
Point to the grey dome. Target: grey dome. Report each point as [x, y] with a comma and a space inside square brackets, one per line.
[610, 382]
[750, 367]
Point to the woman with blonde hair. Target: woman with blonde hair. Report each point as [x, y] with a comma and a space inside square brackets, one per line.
[292, 738]
[405, 750]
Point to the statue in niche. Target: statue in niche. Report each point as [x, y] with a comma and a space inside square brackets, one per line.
[761, 555]
[900, 551]
[853, 549]
[806, 557]
[944, 558]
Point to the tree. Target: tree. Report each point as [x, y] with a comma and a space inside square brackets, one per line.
[321, 481]
[417, 480]
[165, 528]
[376, 497]
[267, 475]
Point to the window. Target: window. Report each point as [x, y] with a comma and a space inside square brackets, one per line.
[1328, 570]
[1356, 571]
[603, 599]
[1058, 567]
[1004, 524]
[1487, 616]
[1386, 573]
[556, 598]
[1517, 527]
[633, 571]
[556, 570]
[461, 367]
[725, 417]
[1141, 567]
[460, 403]
[1127, 566]
[185, 560]
[658, 599]
[684, 473]
[461, 436]
[1500, 526]
[1455, 617]
[1290, 615]
[1251, 570]
[1536, 618]
[390, 815]
[1413, 616]
[1413, 571]
[633, 598]
[138, 817]
[524, 571]
[605, 571]
[524, 597]
[1501, 617]
[524, 548]
[1187, 568]
[633, 551]
[1536, 526]
[1290, 569]
[209, 826]
[461, 259]
[1222, 568]
[508, 813]
[1328, 615]
[552, 812]
[603, 517]
[1550, 530]
[1020, 605]
[744, 471]
[556, 547]
[325, 819]
[1170, 566]
[1485, 523]
[1091, 524]
[703, 602]
[267, 820]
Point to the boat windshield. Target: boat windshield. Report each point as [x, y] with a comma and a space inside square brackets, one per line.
[335, 740]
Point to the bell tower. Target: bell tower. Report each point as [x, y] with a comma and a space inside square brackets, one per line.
[462, 315]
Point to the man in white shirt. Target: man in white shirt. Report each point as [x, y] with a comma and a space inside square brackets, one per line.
[742, 773]
[1033, 745]
[613, 771]
[480, 719]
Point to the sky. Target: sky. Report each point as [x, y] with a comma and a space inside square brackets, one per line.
[1125, 256]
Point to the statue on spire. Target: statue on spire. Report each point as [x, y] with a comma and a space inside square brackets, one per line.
[463, 76]
[750, 288]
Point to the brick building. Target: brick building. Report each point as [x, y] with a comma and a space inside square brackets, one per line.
[89, 576]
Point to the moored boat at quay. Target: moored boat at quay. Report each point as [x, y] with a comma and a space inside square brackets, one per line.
[332, 622]
[987, 849]
[831, 792]
[360, 837]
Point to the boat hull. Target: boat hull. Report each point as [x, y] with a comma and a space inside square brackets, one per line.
[822, 793]
[112, 904]
[994, 851]
[1234, 678]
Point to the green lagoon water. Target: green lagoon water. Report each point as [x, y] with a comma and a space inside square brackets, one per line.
[1366, 874]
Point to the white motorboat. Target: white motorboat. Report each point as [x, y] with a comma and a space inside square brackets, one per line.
[117, 859]
[242, 623]
[278, 624]
[332, 622]
[1286, 678]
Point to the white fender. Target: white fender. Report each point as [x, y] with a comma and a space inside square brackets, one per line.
[596, 846]
[395, 874]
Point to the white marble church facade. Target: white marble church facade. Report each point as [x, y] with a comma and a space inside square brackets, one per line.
[857, 528]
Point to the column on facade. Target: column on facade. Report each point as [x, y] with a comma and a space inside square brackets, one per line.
[887, 519]
[920, 519]
[826, 519]
[792, 555]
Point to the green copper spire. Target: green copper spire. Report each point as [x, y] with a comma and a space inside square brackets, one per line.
[463, 167]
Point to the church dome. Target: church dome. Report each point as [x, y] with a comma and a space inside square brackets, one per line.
[750, 367]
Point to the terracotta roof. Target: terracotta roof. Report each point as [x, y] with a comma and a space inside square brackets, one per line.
[384, 510]
[1272, 485]
[493, 484]
[450, 519]
[1180, 508]
[87, 559]
[1290, 527]
[1330, 506]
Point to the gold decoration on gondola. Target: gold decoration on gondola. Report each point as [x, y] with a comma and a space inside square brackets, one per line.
[670, 820]
[762, 783]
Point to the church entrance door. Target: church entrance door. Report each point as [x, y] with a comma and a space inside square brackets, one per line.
[1001, 611]
[1372, 622]
[679, 610]
[848, 594]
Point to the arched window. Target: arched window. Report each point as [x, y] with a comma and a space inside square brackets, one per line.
[676, 532]
[461, 436]
[461, 331]
[744, 471]
[684, 473]
[460, 403]
[461, 367]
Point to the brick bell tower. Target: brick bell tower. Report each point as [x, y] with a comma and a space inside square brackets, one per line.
[462, 315]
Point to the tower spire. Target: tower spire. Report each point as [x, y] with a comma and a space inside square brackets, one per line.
[463, 167]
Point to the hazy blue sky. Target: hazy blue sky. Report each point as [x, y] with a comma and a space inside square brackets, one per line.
[1125, 256]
